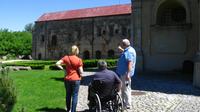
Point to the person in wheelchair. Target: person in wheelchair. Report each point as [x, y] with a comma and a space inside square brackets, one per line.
[105, 83]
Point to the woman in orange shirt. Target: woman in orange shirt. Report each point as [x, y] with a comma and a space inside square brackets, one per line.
[74, 71]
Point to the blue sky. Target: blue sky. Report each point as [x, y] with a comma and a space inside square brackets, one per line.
[15, 14]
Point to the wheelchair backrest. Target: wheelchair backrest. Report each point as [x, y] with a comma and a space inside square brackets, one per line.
[102, 88]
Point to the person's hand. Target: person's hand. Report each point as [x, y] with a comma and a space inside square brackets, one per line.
[120, 49]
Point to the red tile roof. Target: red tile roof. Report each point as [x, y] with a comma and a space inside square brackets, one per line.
[87, 13]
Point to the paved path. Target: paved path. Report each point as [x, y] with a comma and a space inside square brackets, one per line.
[155, 93]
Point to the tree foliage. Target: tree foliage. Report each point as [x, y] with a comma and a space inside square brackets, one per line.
[29, 27]
[15, 43]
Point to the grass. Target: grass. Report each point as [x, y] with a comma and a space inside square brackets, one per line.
[39, 90]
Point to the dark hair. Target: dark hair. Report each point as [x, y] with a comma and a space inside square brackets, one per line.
[102, 64]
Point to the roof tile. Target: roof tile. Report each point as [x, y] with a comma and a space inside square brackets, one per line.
[87, 13]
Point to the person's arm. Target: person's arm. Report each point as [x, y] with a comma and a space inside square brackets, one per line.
[80, 70]
[118, 83]
[128, 75]
[59, 64]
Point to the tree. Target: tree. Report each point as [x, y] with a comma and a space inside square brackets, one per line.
[29, 27]
[15, 43]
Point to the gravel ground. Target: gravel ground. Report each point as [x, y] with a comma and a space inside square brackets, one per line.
[154, 93]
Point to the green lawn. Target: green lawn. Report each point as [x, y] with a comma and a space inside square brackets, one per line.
[39, 90]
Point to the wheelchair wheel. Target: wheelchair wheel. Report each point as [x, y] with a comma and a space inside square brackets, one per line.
[118, 104]
[97, 104]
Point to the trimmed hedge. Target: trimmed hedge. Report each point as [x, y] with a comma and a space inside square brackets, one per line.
[37, 64]
[37, 67]
[28, 63]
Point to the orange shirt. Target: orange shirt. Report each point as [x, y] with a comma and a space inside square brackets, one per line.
[72, 67]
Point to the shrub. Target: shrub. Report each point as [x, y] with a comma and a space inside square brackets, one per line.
[37, 67]
[90, 63]
[111, 62]
[7, 91]
[54, 67]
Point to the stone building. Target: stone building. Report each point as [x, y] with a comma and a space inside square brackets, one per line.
[167, 35]
[97, 32]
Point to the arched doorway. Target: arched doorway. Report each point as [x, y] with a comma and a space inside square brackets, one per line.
[86, 55]
[39, 56]
[111, 54]
[98, 54]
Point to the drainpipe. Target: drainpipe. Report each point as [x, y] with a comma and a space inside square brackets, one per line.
[92, 41]
[45, 41]
[132, 23]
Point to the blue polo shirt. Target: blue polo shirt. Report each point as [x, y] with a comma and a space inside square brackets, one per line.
[129, 54]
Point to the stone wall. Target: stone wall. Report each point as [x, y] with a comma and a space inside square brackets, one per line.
[96, 37]
[164, 45]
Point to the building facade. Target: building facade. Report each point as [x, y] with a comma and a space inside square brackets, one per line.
[97, 32]
[166, 35]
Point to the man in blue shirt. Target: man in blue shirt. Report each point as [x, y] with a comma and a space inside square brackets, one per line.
[125, 70]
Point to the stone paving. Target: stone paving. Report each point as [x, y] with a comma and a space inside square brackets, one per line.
[154, 94]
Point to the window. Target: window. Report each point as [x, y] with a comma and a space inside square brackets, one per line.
[124, 31]
[98, 54]
[171, 13]
[111, 30]
[116, 31]
[104, 32]
[54, 40]
[42, 38]
[70, 39]
[111, 54]
[98, 31]
[39, 56]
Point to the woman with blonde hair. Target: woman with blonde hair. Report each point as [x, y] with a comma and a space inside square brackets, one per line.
[74, 71]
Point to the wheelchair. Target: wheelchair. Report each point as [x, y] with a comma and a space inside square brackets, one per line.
[104, 98]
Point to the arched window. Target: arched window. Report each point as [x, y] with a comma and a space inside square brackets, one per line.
[104, 32]
[86, 55]
[39, 56]
[42, 38]
[98, 54]
[54, 40]
[171, 12]
[98, 31]
[111, 30]
[124, 31]
[111, 54]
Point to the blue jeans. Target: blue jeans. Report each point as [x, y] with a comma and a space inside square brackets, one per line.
[72, 88]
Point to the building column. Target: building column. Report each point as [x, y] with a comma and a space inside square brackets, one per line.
[196, 75]
[136, 32]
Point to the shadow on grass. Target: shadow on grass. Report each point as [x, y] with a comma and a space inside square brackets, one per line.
[46, 109]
